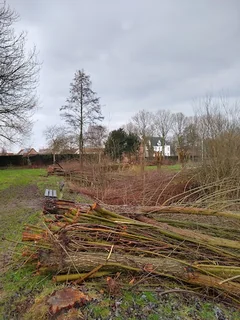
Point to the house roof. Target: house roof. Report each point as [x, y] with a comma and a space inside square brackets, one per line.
[26, 151]
[155, 141]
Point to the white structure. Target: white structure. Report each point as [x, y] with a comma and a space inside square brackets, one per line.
[159, 148]
[154, 144]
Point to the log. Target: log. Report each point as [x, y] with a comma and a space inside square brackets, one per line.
[168, 267]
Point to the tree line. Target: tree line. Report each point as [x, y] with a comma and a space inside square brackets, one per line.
[213, 132]
[214, 119]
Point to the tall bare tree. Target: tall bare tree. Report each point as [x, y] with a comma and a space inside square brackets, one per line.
[19, 71]
[82, 108]
[143, 122]
[192, 136]
[180, 122]
[57, 139]
[163, 121]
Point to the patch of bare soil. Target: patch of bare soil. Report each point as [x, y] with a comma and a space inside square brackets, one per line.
[21, 196]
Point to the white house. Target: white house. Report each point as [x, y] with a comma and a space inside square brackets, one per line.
[155, 144]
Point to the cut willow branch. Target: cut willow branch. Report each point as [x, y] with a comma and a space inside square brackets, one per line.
[84, 239]
[190, 210]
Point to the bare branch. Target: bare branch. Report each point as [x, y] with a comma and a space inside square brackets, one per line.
[18, 79]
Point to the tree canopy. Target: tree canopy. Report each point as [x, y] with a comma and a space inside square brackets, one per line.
[82, 107]
[120, 142]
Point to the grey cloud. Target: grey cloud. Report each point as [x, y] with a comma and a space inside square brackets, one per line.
[140, 54]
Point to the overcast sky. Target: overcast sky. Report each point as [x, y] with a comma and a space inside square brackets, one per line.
[140, 54]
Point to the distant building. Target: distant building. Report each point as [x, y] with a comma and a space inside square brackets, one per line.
[27, 152]
[154, 145]
[45, 151]
[93, 150]
[6, 154]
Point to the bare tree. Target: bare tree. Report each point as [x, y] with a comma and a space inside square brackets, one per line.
[179, 123]
[192, 136]
[96, 135]
[219, 128]
[163, 121]
[130, 127]
[19, 71]
[57, 139]
[143, 122]
[82, 108]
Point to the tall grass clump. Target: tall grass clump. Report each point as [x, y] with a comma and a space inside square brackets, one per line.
[218, 173]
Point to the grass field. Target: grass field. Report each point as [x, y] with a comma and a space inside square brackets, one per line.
[171, 168]
[22, 291]
[21, 196]
[19, 177]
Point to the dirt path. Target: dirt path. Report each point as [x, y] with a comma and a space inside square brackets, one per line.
[18, 204]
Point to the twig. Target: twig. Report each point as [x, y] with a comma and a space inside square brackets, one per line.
[159, 197]
[179, 291]
[230, 279]
[109, 255]
[89, 274]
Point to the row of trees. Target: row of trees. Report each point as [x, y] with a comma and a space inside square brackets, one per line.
[214, 118]
[162, 124]
[214, 130]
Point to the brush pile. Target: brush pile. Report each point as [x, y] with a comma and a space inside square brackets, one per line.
[130, 187]
[79, 241]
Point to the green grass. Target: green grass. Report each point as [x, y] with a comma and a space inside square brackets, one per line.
[21, 192]
[150, 305]
[24, 177]
[165, 168]
[19, 177]
[15, 210]
[170, 168]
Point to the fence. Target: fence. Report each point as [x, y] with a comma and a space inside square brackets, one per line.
[34, 160]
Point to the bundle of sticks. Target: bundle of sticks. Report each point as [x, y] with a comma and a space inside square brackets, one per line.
[80, 241]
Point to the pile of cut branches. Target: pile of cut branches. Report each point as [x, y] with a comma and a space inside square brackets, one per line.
[80, 241]
[132, 188]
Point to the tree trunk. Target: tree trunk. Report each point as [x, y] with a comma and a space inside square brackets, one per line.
[81, 128]
[142, 155]
[163, 147]
[168, 267]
